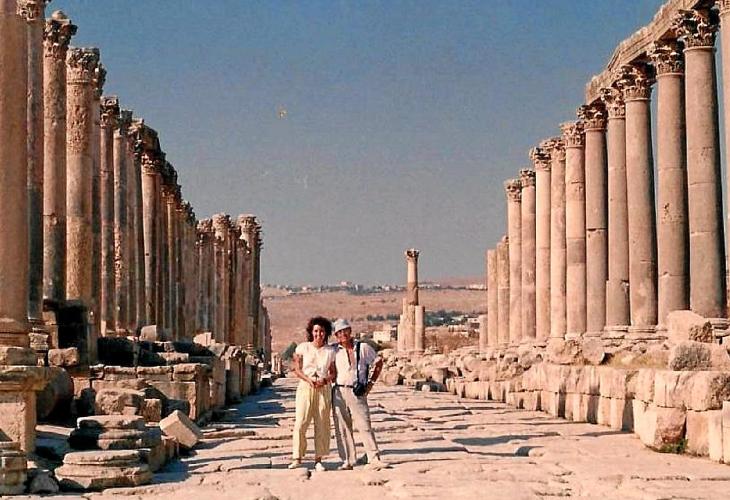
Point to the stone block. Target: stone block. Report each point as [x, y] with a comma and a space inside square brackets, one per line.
[659, 428]
[644, 385]
[152, 333]
[97, 470]
[17, 356]
[569, 406]
[152, 410]
[193, 395]
[117, 351]
[174, 358]
[715, 437]
[119, 401]
[66, 358]
[687, 325]
[702, 391]
[665, 389]
[621, 414]
[56, 395]
[698, 430]
[13, 469]
[726, 432]
[155, 372]
[189, 372]
[603, 411]
[691, 355]
[113, 373]
[180, 427]
[18, 387]
[204, 339]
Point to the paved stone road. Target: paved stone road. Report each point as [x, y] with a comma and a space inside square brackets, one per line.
[439, 447]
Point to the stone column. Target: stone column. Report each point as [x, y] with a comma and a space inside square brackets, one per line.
[98, 81]
[541, 161]
[672, 234]
[249, 231]
[617, 285]
[527, 180]
[82, 64]
[706, 241]
[596, 194]
[181, 287]
[151, 229]
[132, 180]
[558, 263]
[724, 6]
[221, 224]
[36, 24]
[137, 250]
[119, 230]
[163, 284]
[170, 200]
[635, 82]
[412, 276]
[513, 188]
[58, 33]
[204, 296]
[503, 293]
[575, 229]
[492, 300]
[419, 334]
[109, 122]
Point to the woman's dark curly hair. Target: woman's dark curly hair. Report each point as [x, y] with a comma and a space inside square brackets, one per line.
[324, 323]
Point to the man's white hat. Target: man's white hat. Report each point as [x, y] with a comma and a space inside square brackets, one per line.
[340, 324]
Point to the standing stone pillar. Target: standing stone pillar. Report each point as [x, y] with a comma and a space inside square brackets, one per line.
[575, 229]
[180, 284]
[204, 296]
[492, 300]
[513, 188]
[36, 25]
[163, 283]
[249, 232]
[635, 82]
[596, 194]
[58, 33]
[672, 234]
[527, 226]
[541, 161]
[503, 293]
[109, 122]
[151, 229]
[137, 309]
[82, 65]
[706, 241]
[169, 195]
[724, 6]
[221, 224]
[98, 81]
[412, 276]
[558, 263]
[617, 285]
[119, 230]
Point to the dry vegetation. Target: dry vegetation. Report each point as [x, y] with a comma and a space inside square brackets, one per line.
[289, 313]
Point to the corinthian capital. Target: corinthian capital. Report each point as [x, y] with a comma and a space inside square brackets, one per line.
[697, 28]
[57, 35]
[613, 99]
[593, 116]
[513, 188]
[82, 64]
[540, 157]
[573, 134]
[109, 111]
[635, 81]
[412, 254]
[99, 79]
[667, 57]
[32, 10]
[527, 178]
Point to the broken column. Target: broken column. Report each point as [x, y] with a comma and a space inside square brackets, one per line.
[513, 188]
[575, 229]
[635, 82]
[527, 227]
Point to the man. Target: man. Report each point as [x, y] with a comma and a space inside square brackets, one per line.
[346, 406]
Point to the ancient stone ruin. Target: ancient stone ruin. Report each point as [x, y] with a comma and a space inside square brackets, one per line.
[604, 304]
[119, 309]
[411, 331]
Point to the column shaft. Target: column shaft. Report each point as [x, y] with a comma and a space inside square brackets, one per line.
[558, 252]
[527, 227]
[514, 234]
[541, 161]
[492, 300]
[109, 119]
[503, 293]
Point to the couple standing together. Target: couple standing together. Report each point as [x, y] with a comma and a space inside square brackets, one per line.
[319, 365]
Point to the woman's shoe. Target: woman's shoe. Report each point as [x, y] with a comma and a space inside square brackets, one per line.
[295, 464]
[319, 467]
[344, 466]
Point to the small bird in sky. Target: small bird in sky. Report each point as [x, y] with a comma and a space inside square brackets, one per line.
[281, 112]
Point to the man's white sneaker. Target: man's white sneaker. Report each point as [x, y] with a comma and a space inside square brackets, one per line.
[344, 466]
[294, 465]
[319, 467]
[376, 464]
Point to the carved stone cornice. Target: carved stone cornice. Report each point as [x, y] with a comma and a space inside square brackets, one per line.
[696, 28]
[613, 99]
[98, 80]
[540, 157]
[592, 116]
[527, 178]
[109, 106]
[82, 64]
[57, 35]
[573, 134]
[635, 81]
[32, 10]
[412, 255]
[667, 57]
[513, 188]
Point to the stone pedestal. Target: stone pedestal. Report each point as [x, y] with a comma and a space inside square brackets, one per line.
[18, 387]
[514, 233]
[575, 229]
[527, 180]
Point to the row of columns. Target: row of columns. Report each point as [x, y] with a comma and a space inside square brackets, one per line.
[589, 251]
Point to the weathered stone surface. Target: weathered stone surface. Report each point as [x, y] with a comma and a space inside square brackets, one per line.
[699, 424]
[56, 394]
[17, 356]
[63, 357]
[43, 482]
[660, 428]
[687, 325]
[13, 467]
[111, 422]
[119, 402]
[564, 352]
[179, 426]
[691, 355]
[594, 352]
[152, 410]
[152, 333]
[96, 470]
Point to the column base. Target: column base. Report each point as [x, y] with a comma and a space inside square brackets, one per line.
[597, 334]
[615, 331]
[642, 332]
[574, 335]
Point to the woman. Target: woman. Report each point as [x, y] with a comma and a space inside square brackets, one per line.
[314, 365]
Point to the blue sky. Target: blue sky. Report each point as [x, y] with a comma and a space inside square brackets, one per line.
[403, 117]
